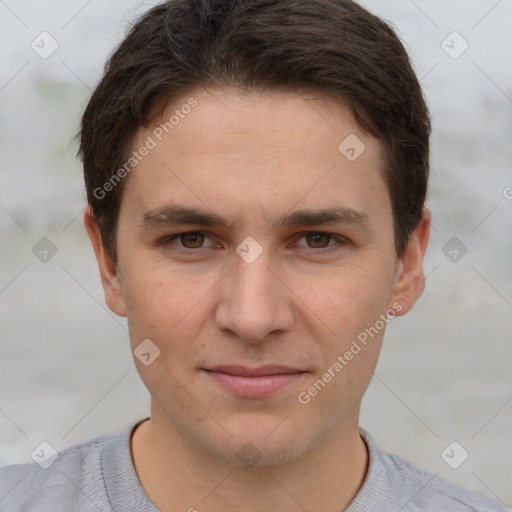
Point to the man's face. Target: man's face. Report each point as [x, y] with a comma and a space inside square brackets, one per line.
[257, 292]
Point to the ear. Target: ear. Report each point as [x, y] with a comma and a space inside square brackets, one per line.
[108, 269]
[410, 280]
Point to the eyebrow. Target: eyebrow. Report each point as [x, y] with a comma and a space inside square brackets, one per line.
[170, 215]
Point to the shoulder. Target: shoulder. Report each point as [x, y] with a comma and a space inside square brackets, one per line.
[426, 491]
[73, 481]
[393, 484]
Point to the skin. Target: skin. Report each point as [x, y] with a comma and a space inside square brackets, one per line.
[251, 158]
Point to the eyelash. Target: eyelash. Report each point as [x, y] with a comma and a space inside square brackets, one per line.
[169, 239]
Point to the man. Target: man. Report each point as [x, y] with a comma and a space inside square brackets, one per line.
[256, 173]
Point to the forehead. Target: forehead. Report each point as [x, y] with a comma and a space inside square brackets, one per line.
[222, 118]
[229, 150]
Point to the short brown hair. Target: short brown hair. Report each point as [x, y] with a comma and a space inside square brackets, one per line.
[333, 46]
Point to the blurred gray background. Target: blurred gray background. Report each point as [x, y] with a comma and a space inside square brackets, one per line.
[66, 372]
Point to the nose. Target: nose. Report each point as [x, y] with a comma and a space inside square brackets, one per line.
[254, 301]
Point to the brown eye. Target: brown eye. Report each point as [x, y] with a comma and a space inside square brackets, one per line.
[192, 240]
[189, 243]
[321, 243]
[318, 240]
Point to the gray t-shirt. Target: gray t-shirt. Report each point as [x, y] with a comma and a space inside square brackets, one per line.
[98, 476]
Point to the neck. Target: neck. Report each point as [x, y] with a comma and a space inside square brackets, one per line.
[177, 474]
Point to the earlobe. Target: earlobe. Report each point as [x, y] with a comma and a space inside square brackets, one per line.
[410, 280]
[107, 267]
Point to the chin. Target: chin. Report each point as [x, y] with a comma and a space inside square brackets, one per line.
[260, 454]
[254, 446]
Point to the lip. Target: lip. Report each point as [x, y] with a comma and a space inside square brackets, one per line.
[260, 371]
[254, 382]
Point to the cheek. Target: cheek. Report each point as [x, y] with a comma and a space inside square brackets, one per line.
[169, 309]
[349, 355]
[150, 306]
[347, 301]
[351, 312]
[167, 312]
[161, 297]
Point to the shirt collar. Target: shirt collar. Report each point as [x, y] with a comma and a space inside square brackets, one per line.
[123, 487]
[125, 492]
[374, 493]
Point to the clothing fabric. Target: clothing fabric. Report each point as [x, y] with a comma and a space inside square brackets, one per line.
[99, 476]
